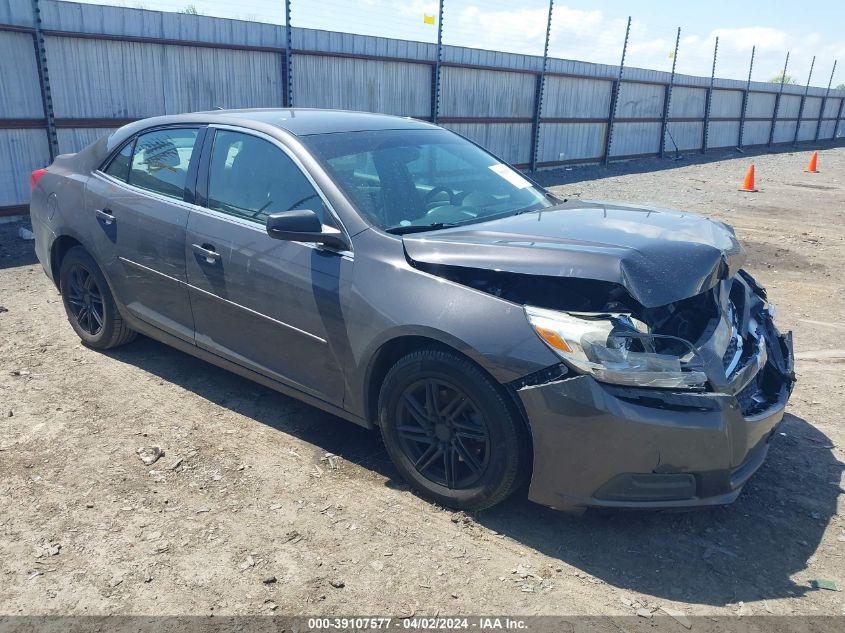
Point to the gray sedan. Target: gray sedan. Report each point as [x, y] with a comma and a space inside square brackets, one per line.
[395, 274]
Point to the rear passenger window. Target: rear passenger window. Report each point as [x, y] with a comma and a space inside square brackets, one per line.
[119, 166]
[252, 178]
[161, 159]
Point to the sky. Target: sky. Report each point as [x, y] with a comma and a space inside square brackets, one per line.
[586, 30]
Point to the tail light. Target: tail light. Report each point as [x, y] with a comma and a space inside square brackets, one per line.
[34, 177]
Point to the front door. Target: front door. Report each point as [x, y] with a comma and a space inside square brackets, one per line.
[138, 202]
[273, 306]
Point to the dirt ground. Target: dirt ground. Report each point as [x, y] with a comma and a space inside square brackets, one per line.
[249, 511]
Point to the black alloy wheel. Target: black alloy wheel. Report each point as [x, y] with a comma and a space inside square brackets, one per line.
[452, 431]
[443, 433]
[85, 299]
[89, 303]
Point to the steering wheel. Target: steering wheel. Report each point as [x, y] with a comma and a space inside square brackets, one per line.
[429, 197]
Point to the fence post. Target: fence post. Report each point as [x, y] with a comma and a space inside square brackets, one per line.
[667, 97]
[44, 80]
[745, 100]
[538, 95]
[709, 100]
[614, 97]
[824, 103]
[435, 88]
[838, 117]
[803, 100]
[777, 102]
[288, 59]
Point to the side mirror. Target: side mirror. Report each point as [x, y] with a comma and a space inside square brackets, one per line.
[303, 225]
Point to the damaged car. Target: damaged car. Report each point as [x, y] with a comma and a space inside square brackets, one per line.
[395, 274]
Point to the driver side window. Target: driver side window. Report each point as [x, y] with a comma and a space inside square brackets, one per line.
[252, 178]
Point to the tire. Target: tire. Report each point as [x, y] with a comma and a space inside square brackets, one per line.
[470, 455]
[89, 303]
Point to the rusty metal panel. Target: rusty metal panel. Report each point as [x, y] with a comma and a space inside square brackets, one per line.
[358, 84]
[486, 93]
[509, 141]
[576, 98]
[688, 102]
[640, 101]
[21, 151]
[20, 96]
[631, 139]
[571, 141]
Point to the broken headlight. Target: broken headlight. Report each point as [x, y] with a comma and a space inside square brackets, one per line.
[619, 349]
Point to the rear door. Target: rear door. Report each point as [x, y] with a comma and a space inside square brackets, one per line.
[270, 305]
[139, 203]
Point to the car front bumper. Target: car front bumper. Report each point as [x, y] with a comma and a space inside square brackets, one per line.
[598, 445]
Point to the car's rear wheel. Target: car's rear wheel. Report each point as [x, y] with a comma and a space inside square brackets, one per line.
[89, 303]
[451, 432]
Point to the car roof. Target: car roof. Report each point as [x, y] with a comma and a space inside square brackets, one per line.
[305, 121]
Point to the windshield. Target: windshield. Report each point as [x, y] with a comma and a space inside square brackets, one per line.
[412, 180]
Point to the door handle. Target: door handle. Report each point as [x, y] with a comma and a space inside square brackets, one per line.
[105, 215]
[206, 251]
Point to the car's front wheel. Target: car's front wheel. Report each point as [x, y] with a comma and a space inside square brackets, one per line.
[89, 303]
[451, 432]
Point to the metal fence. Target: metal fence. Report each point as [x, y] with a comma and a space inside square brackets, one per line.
[74, 72]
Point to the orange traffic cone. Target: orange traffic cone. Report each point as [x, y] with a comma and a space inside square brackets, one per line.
[814, 163]
[748, 183]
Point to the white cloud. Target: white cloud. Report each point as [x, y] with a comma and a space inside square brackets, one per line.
[742, 39]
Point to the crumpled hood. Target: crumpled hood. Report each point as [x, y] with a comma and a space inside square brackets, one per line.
[660, 256]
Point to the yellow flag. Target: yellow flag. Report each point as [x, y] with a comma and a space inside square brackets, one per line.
[428, 18]
[671, 55]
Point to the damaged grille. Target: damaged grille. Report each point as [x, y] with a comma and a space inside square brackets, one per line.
[689, 319]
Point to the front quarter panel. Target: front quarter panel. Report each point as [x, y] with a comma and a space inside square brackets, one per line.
[391, 299]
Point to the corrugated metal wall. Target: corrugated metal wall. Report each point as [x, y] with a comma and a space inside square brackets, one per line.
[21, 151]
[568, 98]
[638, 101]
[93, 79]
[111, 64]
[362, 84]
